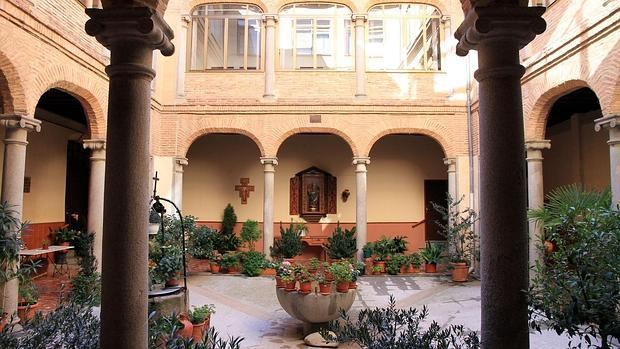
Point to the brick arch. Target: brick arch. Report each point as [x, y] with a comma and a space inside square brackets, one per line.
[186, 143]
[439, 4]
[193, 3]
[441, 140]
[11, 85]
[336, 132]
[83, 87]
[536, 120]
[348, 3]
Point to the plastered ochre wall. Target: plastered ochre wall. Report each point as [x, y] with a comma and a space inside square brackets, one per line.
[46, 165]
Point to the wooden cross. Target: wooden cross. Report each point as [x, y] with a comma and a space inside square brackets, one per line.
[244, 190]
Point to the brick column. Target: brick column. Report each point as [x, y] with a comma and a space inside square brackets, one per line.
[360, 164]
[177, 181]
[15, 142]
[360, 54]
[95, 194]
[182, 52]
[270, 54]
[131, 34]
[498, 32]
[269, 164]
[535, 192]
[612, 123]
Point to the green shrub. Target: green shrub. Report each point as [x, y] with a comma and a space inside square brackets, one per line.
[342, 272]
[250, 233]
[230, 259]
[389, 327]
[253, 262]
[229, 220]
[201, 243]
[342, 243]
[199, 314]
[86, 289]
[289, 245]
[576, 289]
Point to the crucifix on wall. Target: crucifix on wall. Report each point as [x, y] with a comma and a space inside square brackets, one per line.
[244, 190]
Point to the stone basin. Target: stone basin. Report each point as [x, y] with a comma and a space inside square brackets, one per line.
[315, 308]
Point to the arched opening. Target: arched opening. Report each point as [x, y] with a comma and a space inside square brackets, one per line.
[407, 171]
[217, 164]
[57, 166]
[578, 154]
[326, 155]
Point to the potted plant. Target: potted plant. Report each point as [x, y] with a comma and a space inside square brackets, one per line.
[382, 249]
[284, 269]
[342, 244]
[415, 262]
[376, 270]
[63, 237]
[252, 262]
[325, 286]
[45, 244]
[288, 280]
[250, 233]
[392, 266]
[356, 270]
[327, 272]
[457, 227]
[313, 265]
[28, 295]
[200, 318]
[289, 245]
[367, 250]
[230, 262]
[305, 280]
[214, 264]
[342, 276]
[399, 244]
[201, 247]
[431, 256]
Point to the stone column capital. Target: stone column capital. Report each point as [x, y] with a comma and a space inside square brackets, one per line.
[451, 163]
[115, 25]
[361, 160]
[20, 121]
[269, 160]
[185, 20]
[94, 144]
[270, 19]
[537, 144]
[359, 18]
[520, 24]
[606, 122]
[179, 163]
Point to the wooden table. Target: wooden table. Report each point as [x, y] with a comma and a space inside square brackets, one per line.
[29, 254]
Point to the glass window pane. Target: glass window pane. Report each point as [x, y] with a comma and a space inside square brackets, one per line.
[215, 48]
[236, 43]
[254, 44]
[286, 43]
[198, 44]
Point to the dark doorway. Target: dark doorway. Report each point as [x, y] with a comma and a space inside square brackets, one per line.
[78, 174]
[434, 191]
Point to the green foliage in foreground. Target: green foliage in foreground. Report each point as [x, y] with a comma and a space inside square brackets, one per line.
[393, 328]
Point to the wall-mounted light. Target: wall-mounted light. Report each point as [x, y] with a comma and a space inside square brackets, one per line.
[345, 195]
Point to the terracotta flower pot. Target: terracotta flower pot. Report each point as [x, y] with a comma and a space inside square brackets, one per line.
[410, 269]
[187, 329]
[403, 269]
[215, 268]
[430, 268]
[305, 287]
[26, 312]
[233, 269]
[460, 272]
[289, 286]
[268, 272]
[279, 283]
[381, 265]
[352, 285]
[325, 289]
[198, 332]
[328, 276]
[173, 281]
[342, 287]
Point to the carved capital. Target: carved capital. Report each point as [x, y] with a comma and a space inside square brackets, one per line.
[451, 163]
[270, 19]
[505, 23]
[21, 121]
[269, 160]
[534, 149]
[606, 122]
[124, 25]
[361, 160]
[181, 161]
[94, 144]
[360, 18]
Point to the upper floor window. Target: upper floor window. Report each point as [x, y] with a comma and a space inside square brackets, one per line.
[226, 36]
[315, 36]
[404, 37]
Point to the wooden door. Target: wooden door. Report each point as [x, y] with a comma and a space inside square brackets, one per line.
[77, 178]
[435, 190]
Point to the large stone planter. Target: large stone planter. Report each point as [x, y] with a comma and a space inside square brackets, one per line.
[315, 309]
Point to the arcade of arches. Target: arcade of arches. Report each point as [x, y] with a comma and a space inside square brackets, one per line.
[240, 103]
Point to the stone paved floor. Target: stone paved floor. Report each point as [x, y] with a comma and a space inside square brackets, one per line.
[248, 307]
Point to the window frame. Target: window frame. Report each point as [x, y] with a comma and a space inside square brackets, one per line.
[333, 33]
[403, 23]
[260, 61]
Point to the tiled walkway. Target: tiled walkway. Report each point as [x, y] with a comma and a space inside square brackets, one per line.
[248, 307]
[51, 289]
